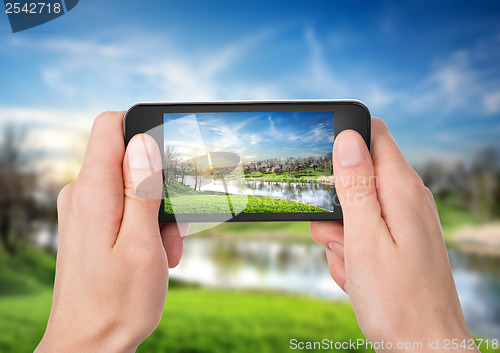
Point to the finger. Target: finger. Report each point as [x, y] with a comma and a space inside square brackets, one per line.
[141, 171]
[400, 190]
[336, 265]
[173, 235]
[355, 185]
[385, 151]
[324, 233]
[97, 193]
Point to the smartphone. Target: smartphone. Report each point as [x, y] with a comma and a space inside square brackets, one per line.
[248, 160]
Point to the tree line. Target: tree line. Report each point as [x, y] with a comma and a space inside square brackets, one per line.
[292, 165]
[177, 169]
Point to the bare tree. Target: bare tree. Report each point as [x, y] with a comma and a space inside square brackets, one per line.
[17, 202]
[183, 168]
[327, 164]
[171, 161]
[195, 167]
[485, 174]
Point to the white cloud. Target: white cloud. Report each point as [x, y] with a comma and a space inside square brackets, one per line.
[449, 87]
[492, 102]
[100, 74]
[70, 120]
[56, 137]
[461, 83]
[319, 132]
[378, 97]
[122, 73]
[319, 79]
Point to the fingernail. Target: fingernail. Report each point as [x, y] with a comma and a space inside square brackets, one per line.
[350, 151]
[140, 153]
[337, 248]
[144, 161]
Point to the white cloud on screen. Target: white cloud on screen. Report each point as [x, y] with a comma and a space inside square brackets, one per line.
[320, 132]
[184, 134]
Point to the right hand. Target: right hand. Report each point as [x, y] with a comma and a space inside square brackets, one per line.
[389, 254]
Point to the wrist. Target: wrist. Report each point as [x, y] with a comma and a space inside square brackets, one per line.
[428, 339]
[64, 345]
[109, 340]
[458, 343]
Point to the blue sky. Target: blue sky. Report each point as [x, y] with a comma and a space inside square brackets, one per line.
[253, 136]
[429, 68]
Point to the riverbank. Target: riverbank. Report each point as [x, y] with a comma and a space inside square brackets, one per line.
[483, 239]
[281, 180]
[308, 176]
[328, 180]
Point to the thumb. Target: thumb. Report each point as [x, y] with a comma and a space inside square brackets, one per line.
[355, 184]
[143, 181]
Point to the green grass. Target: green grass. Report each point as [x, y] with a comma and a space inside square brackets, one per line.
[258, 204]
[309, 174]
[22, 320]
[29, 269]
[203, 320]
[232, 321]
[176, 190]
[194, 320]
[184, 199]
[245, 204]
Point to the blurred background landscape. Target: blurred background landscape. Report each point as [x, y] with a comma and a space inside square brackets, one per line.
[429, 69]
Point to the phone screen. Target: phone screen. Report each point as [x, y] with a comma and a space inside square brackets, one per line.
[248, 162]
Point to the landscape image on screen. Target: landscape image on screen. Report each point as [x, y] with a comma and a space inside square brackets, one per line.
[248, 162]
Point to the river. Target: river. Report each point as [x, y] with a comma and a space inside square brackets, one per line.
[302, 269]
[242, 263]
[317, 194]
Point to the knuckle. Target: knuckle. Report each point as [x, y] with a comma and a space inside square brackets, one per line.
[369, 250]
[141, 258]
[104, 118]
[379, 123]
[63, 196]
[356, 188]
[100, 119]
[78, 196]
[358, 184]
[415, 188]
[82, 198]
[364, 185]
[429, 192]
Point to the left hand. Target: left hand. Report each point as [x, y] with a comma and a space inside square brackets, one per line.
[113, 257]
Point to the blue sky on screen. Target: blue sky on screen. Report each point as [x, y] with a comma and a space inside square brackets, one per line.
[253, 136]
[429, 68]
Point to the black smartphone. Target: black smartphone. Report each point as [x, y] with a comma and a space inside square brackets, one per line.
[248, 160]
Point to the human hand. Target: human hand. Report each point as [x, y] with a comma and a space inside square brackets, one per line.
[112, 261]
[389, 254]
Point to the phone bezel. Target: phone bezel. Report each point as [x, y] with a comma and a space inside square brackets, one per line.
[348, 114]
